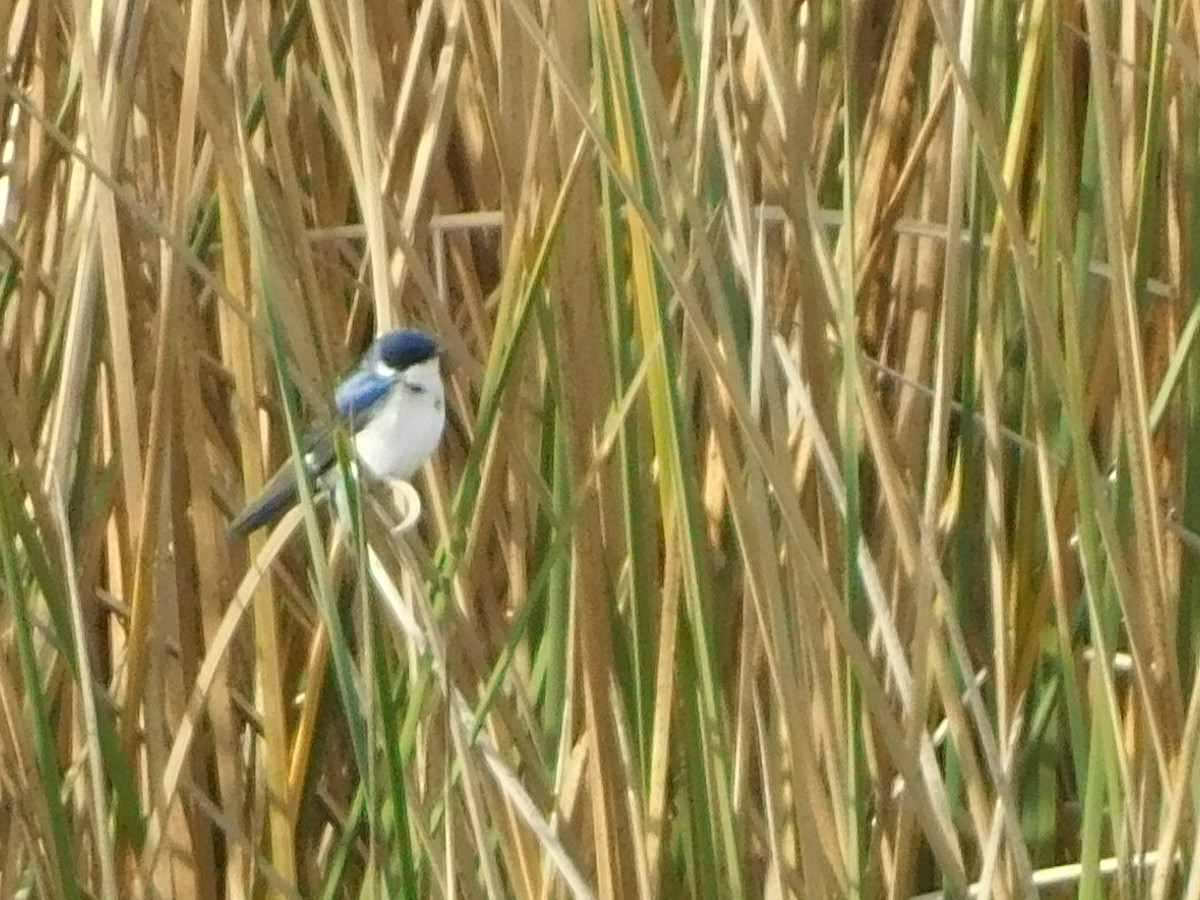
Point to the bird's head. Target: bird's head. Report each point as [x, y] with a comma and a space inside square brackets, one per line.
[410, 356]
[404, 359]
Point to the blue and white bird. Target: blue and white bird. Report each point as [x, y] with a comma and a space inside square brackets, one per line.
[393, 405]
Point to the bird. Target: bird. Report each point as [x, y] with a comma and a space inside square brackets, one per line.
[392, 404]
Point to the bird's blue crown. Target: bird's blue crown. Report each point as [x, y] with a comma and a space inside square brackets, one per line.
[407, 347]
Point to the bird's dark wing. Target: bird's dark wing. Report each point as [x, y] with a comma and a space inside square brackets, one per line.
[281, 492]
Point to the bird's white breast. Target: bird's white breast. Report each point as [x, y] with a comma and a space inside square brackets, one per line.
[402, 434]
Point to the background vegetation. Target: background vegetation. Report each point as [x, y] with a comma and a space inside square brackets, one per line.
[818, 514]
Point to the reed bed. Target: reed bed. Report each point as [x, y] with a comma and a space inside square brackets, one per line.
[817, 515]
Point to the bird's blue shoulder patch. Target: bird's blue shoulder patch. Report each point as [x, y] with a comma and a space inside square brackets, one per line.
[358, 394]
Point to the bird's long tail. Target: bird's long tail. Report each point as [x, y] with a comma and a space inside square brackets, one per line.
[277, 497]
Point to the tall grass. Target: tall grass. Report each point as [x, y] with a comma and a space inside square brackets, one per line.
[817, 515]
